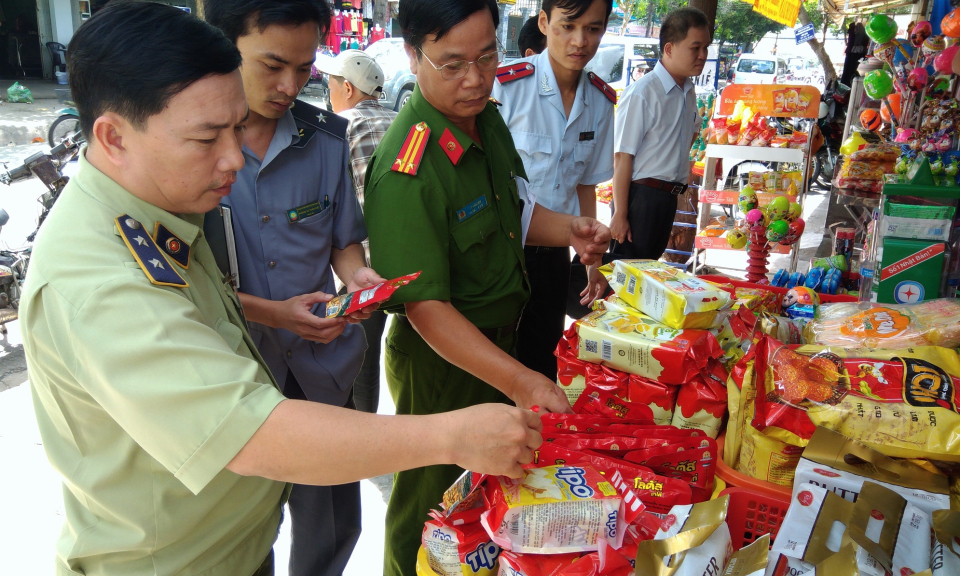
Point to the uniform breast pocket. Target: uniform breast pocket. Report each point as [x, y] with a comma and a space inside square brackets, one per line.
[583, 151]
[232, 335]
[472, 237]
[535, 150]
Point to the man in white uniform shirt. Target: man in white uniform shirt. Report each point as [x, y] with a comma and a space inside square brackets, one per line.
[561, 120]
[656, 124]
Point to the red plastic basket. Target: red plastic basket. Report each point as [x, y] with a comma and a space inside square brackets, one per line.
[824, 298]
[752, 514]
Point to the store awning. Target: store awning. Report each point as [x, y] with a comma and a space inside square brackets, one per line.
[836, 10]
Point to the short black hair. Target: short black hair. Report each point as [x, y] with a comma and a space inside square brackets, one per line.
[577, 8]
[678, 22]
[237, 17]
[531, 37]
[418, 18]
[106, 67]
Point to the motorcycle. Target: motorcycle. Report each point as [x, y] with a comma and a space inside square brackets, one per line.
[833, 106]
[48, 168]
[68, 121]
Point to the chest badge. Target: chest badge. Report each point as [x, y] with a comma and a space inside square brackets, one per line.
[472, 208]
[148, 255]
[297, 214]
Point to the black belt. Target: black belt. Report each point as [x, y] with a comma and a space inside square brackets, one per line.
[671, 187]
[492, 334]
[539, 249]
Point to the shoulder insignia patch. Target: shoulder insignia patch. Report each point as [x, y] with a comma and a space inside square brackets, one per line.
[310, 119]
[495, 102]
[147, 254]
[408, 161]
[172, 245]
[607, 90]
[515, 72]
[451, 147]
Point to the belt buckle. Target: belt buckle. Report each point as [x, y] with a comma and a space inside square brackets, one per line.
[678, 189]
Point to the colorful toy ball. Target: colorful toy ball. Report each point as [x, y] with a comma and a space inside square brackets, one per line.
[878, 84]
[881, 28]
[905, 135]
[794, 213]
[778, 208]
[748, 199]
[794, 232]
[801, 302]
[754, 218]
[921, 32]
[737, 239]
[943, 62]
[894, 102]
[950, 25]
[777, 230]
[870, 119]
[917, 78]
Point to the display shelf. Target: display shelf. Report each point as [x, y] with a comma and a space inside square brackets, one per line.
[756, 153]
[731, 197]
[712, 243]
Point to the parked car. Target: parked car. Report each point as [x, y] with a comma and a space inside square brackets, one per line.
[759, 69]
[391, 56]
[615, 51]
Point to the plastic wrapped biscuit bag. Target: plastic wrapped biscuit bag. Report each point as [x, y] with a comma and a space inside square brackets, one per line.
[554, 510]
[946, 548]
[604, 403]
[891, 530]
[751, 560]
[693, 540]
[639, 345]
[571, 371]
[892, 326]
[513, 564]
[667, 294]
[459, 546]
[702, 402]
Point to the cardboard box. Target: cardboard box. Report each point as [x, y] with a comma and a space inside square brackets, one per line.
[909, 271]
[841, 465]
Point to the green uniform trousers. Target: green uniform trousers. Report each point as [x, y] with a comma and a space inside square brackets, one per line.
[421, 382]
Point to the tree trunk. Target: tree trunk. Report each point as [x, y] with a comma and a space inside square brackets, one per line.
[650, 10]
[709, 7]
[829, 72]
[628, 6]
[380, 12]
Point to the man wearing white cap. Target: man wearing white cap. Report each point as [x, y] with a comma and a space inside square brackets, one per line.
[356, 81]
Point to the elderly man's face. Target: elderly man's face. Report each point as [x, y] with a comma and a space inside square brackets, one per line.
[187, 156]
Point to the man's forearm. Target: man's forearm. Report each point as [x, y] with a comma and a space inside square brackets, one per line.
[460, 343]
[622, 177]
[549, 228]
[587, 195]
[259, 310]
[293, 445]
[346, 262]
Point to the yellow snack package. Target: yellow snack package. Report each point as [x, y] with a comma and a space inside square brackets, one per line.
[668, 294]
[872, 325]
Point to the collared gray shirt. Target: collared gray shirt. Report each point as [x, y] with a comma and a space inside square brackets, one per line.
[281, 254]
[656, 121]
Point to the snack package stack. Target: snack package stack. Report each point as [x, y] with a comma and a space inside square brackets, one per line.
[864, 170]
[890, 326]
[899, 402]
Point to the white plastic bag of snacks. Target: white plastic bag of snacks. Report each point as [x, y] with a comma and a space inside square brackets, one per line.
[553, 510]
[893, 531]
[751, 560]
[946, 548]
[693, 540]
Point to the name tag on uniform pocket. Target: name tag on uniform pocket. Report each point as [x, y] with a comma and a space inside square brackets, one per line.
[584, 136]
[294, 215]
[472, 208]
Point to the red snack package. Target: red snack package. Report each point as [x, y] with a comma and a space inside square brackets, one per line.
[603, 403]
[661, 398]
[702, 402]
[603, 442]
[695, 465]
[355, 301]
[535, 564]
[587, 423]
[571, 371]
[594, 564]
[659, 431]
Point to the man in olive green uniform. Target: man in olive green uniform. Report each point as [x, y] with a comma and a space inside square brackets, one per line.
[442, 197]
[174, 443]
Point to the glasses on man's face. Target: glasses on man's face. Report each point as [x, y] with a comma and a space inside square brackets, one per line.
[458, 68]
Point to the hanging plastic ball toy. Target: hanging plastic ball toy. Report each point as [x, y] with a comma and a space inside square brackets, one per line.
[878, 84]
[921, 32]
[870, 119]
[881, 28]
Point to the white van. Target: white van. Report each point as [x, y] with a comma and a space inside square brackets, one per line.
[615, 51]
[759, 69]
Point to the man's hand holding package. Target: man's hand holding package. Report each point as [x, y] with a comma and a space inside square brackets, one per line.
[363, 278]
[531, 389]
[493, 438]
[295, 315]
[589, 238]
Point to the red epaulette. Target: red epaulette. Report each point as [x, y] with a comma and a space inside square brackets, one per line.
[514, 72]
[607, 90]
[408, 161]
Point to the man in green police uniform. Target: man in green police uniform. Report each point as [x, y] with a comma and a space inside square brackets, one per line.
[442, 197]
[172, 438]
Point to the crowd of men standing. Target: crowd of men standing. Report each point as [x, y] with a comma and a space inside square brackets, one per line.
[184, 407]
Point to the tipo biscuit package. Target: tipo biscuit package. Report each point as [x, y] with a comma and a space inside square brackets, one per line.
[693, 541]
[459, 546]
[553, 510]
[841, 465]
[946, 548]
[669, 295]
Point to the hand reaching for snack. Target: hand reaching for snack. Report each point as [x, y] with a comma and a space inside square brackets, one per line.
[533, 389]
[493, 438]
